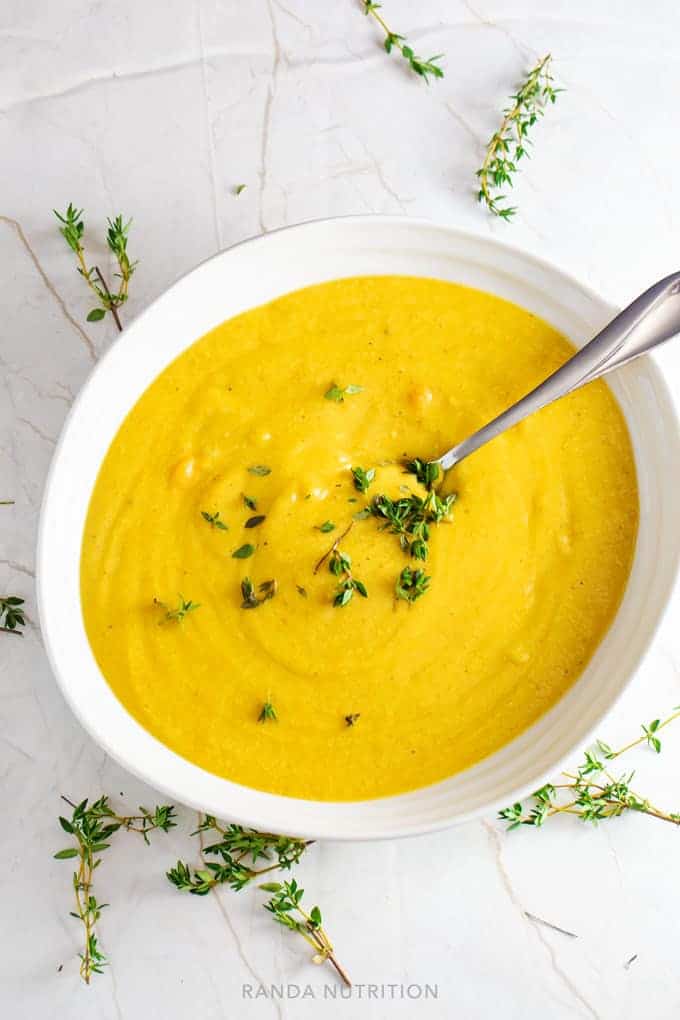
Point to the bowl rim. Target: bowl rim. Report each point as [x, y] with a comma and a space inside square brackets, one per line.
[254, 819]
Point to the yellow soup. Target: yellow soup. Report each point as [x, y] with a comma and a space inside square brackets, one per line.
[292, 693]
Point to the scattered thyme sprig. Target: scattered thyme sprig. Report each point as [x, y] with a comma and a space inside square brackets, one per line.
[285, 903]
[184, 607]
[238, 850]
[11, 615]
[410, 518]
[92, 827]
[214, 520]
[340, 565]
[426, 472]
[250, 600]
[509, 144]
[362, 478]
[411, 584]
[592, 793]
[72, 229]
[423, 68]
[268, 713]
[338, 393]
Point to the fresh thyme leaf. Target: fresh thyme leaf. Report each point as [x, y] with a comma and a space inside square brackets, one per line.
[338, 393]
[411, 584]
[184, 607]
[285, 904]
[259, 469]
[268, 713]
[254, 522]
[214, 520]
[72, 229]
[510, 143]
[239, 189]
[340, 565]
[352, 719]
[361, 515]
[267, 590]
[326, 527]
[6, 502]
[250, 502]
[250, 599]
[302, 591]
[423, 68]
[649, 732]
[362, 478]
[425, 471]
[243, 552]
[12, 615]
[91, 828]
[590, 791]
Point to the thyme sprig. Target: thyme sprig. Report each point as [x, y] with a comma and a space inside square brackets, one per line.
[91, 826]
[591, 792]
[214, 520]
[239, 850]
[12, 615]
[340, 565]
[510, 143]
[410, 517]
[183, 608]
[284, 904]
[72, 229]
[393, 41]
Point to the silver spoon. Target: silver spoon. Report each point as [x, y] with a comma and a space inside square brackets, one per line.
[651, 319]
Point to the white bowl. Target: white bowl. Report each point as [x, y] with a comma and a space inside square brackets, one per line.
[248, 275]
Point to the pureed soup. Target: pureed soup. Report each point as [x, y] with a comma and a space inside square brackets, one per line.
[218, 609]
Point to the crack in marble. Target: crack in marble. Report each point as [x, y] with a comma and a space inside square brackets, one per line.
[267, 118]
[208, 125]
[15, 747]
[239, 946]
[293, 15]
[376, 168]
[495, 841]
[521, 48]
[98, 79]
[639, 151]
[17, 567]
[114, 991]
[36, 430]
[476, 136]
[16, 226]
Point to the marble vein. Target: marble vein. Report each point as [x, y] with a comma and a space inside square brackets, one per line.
[208, 125]
[267, 117]
[574, 991]
[259, 980]
[16, 226]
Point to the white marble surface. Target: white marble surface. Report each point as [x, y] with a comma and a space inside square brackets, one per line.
[158, 109]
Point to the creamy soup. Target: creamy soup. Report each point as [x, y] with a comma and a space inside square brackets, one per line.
[231, 479]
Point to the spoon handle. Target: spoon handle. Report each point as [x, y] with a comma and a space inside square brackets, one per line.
[651, 319]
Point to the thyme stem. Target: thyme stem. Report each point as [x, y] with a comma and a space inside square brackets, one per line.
[110, 298]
